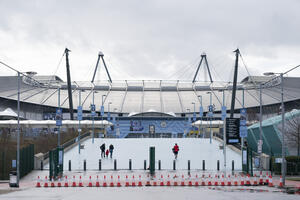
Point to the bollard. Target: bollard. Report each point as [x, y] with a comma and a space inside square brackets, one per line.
[203, 165]
[159, 165]
[189, 165]
[130, 164]
[218, 165]
[115, 164]
[232, 165]
[152, 160]
[100, 164]
[69, 165]
[84, 165]
[174, 165]
[42, 165]
[145, 164]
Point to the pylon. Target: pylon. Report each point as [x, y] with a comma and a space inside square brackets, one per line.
[52, 182]
[104, 181]
[111, 181]
[248, 183]
[216, 180]
[270, 181]
[90, 182]
[209, 180]
[229, 180]
[38, 183]
[66, 182]
[175, 181]
[80, 182]
[235, 180]
[261, 180]
[133, 182]
[255, 180]
[119, 183]
[46, 182]
[267, 179]
[202, 180]
[97, 182]
[280, 182]
[73, 182]
[182, 181]
[127, 182]
[168, 181]
[222, 180]
[154, 181]
[59, 182]
[190, 181]
[196, 181]
[161, 180]
[148, 181]
[140, 181]
[242, 180]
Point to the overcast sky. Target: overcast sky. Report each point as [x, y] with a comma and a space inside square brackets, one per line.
[158, 39]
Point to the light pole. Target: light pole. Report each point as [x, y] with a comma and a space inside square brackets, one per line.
[260, 127]
[200, 114]
[210, 115]
[283, 164]
[93, 115]
[18, 136]
[224, 128]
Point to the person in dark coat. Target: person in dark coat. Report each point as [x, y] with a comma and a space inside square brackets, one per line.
[175, 150]
[102, 148]
[111, 149]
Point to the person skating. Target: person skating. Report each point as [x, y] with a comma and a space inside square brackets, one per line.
[102, 148]
[111, 149]
[175, 150]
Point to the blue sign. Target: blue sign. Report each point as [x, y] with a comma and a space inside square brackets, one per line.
[201, 111]
[223, 115]
[14, 164]
[79, 112]
[243, 131]
[243, 123]
[93, 110]
[58, 117]
[194, 116]
[102, 111]
[108, 116]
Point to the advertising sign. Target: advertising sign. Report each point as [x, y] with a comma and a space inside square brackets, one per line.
[233, 130]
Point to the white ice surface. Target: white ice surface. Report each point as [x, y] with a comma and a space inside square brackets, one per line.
[137, 149]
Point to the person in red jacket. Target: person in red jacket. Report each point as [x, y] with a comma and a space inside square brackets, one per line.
[107, 152]
[175, 150]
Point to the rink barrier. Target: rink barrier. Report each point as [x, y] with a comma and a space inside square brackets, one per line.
[216, 179]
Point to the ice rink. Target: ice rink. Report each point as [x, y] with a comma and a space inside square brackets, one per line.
[137, 149]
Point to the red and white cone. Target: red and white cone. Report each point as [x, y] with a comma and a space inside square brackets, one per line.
[111, 181]
[154, 181]
[196, 180]
[73, 182]
[267, 179]
[209, 180]
[175, 183]
[280, 182]
[133, 182]
[222, 180]
[59, 182]
[229, 180]
[66, 182]
[261, 180]
[140, 181]
[182, 181]
[90, 182]
[148, 181]
[216, 180]
[235, 182]
[161, 180]
[38, 182]
[80, 182]
[46, 182]
[270, 181]
[242, 180]
[248, 183]
[104, 181]
[168, 181]
[127, 182]
[202, 180]
[119, 182]
[97, 182]
[52, 184]
[190, 183]
[255, 181]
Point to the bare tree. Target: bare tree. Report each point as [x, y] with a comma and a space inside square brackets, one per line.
[292, 133]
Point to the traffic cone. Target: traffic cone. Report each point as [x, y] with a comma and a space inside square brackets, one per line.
[59, 182]
[261, 180]
[196, 181]
[127, 182]
[46, 182]
[148, 181]
[73, 182]
[154, 181]
[133, 182]
[248, 183]
[175, 181]
[52, 182]
[229, 180]
[104, 181]
[80, 182]
[267, 179]
[118, 183]
[216, 180]
[66, 182]
[97, 182]
[190, 181]
[140, 181]
[280, 182]
[235, 180]
[209, 180]
[242, 180]
[38, 183]
[168, 181]
[255, 181]
[270, 181]
[182, 181]
[202, 180]
[222, 180]
[111, 181]
[90, 182]
[161, 180]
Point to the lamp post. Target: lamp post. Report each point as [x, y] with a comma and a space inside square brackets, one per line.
[210, 115]
[18, 136]
[200, 114]
[224, 128]
[283, 164]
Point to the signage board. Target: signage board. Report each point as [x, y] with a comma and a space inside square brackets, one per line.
[79, 112]
[243, 123]
[58, 117]
[233, 130]
[223, 115]
[93, 110]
